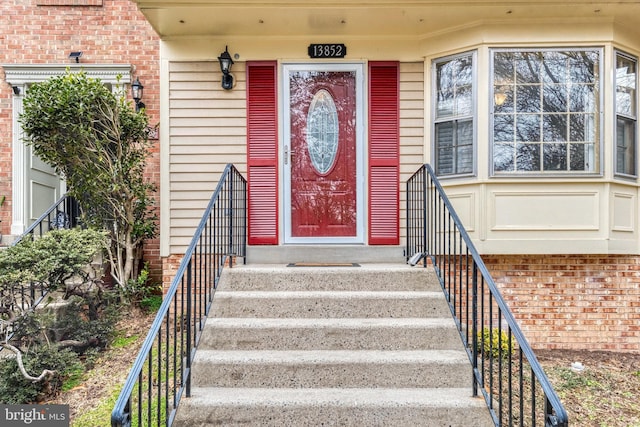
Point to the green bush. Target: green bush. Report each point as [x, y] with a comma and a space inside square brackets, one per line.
[15, 389]
[494, 343]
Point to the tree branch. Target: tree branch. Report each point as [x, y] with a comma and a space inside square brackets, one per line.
[18, 353]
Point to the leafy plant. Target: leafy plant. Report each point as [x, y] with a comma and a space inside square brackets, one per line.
[15, 389]
[495, 343]
[100, 145]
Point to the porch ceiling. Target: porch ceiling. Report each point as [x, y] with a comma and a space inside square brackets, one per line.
[373, 18]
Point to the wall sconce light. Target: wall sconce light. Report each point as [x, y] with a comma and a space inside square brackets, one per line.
[16, 90]
[136, 94]
[76, 56]
[225, 66]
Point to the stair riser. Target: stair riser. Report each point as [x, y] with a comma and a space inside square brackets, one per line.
[325, 279]
[229, 306]
[334, 416]
[349, 375]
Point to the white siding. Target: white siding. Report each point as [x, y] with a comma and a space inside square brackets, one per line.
[207, 130]
[411, 129]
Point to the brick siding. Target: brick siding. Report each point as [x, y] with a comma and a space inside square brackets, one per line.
[573, 301]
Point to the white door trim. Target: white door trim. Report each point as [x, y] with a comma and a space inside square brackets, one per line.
[287, 68]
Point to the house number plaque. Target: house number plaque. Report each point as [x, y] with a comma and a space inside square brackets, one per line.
[327, 50]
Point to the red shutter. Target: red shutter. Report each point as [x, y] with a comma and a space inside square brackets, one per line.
[262, 153]
[384, 153]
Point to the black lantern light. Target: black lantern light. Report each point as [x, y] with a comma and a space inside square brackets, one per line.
[225, 66]
[136, 94]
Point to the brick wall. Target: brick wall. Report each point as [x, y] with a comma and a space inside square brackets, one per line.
[107, 32]
[573, 301]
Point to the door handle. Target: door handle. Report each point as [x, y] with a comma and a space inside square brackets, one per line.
[288, 154]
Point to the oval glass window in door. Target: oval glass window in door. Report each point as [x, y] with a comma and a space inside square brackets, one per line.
[322, 131]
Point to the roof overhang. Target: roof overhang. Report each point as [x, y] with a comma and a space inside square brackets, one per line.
[359, 18]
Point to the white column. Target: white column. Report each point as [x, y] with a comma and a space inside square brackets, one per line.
[18, 210]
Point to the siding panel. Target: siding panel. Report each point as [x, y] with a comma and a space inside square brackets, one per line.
[207, 128]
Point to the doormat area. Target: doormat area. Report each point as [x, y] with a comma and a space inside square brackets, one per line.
[323, 264]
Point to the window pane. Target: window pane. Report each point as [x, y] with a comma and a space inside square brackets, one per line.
[528, 127]
[503, 68]
[504, 157]
[528, 98]
[582, 98]
[444, 148]
[581, 157]
[555, 68]
[454, 89]
[454, 147]
[555, 98]
[528, 157]
[527, 65]
[625, 86]
[554, 127]
[503, 99]
[582, 127]
[583, 67]
[503, 128]
[625, 146]
[555, 157]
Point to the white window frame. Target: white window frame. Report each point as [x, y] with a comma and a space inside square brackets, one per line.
[435, 120]
[598, 153]
[633, 117]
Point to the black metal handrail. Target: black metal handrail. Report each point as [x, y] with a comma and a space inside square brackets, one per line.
[505, 369]
[64, 213]
[161, 374]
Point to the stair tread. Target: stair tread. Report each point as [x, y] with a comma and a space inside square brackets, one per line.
[298, 357]
[328, 294]
[352, 323]
[443, 397]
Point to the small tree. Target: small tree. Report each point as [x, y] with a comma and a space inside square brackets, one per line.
[100, 145]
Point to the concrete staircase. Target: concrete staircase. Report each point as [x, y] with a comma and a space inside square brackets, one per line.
[373, 345]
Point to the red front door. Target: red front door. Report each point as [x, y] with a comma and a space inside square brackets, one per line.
[323, 154]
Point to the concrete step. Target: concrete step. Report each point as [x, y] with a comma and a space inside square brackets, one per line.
[328, 334]
[413, 407]
[369, 277]
[325, 254]
[373, 345]
[329, 304]
[334, 368]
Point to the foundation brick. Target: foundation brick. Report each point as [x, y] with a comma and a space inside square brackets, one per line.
[594, 307]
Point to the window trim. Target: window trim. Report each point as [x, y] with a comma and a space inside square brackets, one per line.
[473, 116]
[616, 174]
[599, 144]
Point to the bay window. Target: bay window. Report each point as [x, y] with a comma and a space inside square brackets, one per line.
[454, 115]
[546, 106]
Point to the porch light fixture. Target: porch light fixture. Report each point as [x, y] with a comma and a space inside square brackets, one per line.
[225, 66]
[136, 93]
[75, 55]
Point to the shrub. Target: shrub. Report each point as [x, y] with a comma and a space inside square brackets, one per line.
[15, 389]
[494, 343]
